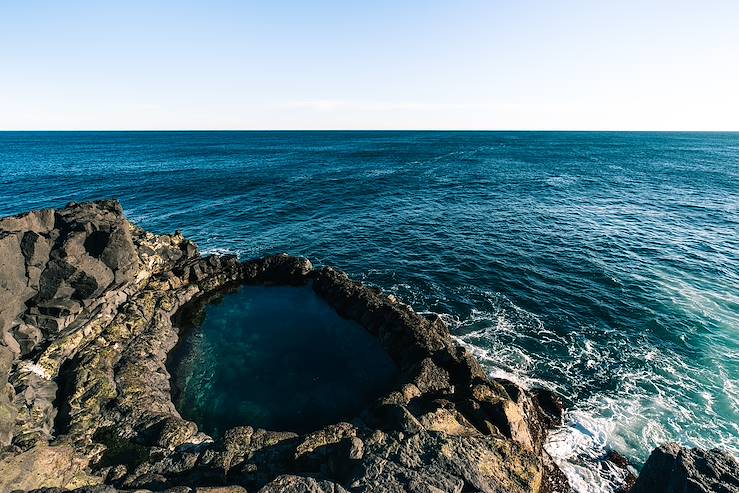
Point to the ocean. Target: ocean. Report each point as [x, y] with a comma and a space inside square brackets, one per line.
[604, 266]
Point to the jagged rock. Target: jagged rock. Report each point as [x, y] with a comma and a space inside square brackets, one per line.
[14, 289]
[91, 308]
[674, 469]
[42, 465]
[615, 460]
[551, 407]
[280, 269]
[298, 484]
[429, 378]
[8, 411]
[329, 435]
[217, 489]
[448, 421]
[438, 462]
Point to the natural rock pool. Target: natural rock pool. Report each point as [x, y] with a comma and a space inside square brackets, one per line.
[278, 358]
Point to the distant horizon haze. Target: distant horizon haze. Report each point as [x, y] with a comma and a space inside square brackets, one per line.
[362, 130]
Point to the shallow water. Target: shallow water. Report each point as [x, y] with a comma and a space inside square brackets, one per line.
[278, 358]
[602, 265]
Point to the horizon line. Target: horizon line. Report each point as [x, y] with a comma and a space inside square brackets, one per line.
[369, 130]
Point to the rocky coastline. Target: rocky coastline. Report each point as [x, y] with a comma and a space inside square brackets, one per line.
[87, 304]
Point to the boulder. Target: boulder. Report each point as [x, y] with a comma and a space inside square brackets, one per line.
[277, 269]
[44, 466]
[299, 484]
[671, 468]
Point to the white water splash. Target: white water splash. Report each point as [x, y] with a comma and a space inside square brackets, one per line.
[649, 405]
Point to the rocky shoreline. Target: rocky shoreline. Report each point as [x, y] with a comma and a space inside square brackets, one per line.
[87, 304]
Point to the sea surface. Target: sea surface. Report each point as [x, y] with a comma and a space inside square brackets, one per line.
[604, 266]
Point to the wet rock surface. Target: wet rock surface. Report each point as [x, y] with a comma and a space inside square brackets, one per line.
[671, 468]
[88, 302]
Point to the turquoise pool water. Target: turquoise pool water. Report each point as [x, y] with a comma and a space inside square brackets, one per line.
[278, 358]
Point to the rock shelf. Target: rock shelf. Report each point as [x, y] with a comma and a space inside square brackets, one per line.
[88, 302]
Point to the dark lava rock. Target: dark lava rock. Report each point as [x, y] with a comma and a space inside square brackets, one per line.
[674, 469]
[298, 484]
[279, 269]
[90, 306]
[551, 406]
[615, 460]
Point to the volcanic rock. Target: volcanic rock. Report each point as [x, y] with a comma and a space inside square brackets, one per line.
[671, 468]
[89, 304]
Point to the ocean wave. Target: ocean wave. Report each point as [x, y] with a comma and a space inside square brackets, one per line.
[645, 407]
[212, 250]
[561, 181]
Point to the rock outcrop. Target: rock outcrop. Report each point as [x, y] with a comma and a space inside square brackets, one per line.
[89, 305]
[674, 469]
[88, 302]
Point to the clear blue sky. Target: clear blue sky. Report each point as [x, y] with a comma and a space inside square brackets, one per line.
[383, 64]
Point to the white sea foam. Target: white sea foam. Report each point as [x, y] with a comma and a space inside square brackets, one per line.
[561, 181]
[657, 395]
[219, 251]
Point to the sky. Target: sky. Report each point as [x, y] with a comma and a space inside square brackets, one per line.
[462, 64]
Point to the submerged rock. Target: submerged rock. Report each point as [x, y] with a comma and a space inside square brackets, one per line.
[88, 303]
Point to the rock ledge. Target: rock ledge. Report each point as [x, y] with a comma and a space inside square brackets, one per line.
[88, 302]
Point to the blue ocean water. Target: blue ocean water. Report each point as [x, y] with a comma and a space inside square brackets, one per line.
[602, 265]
